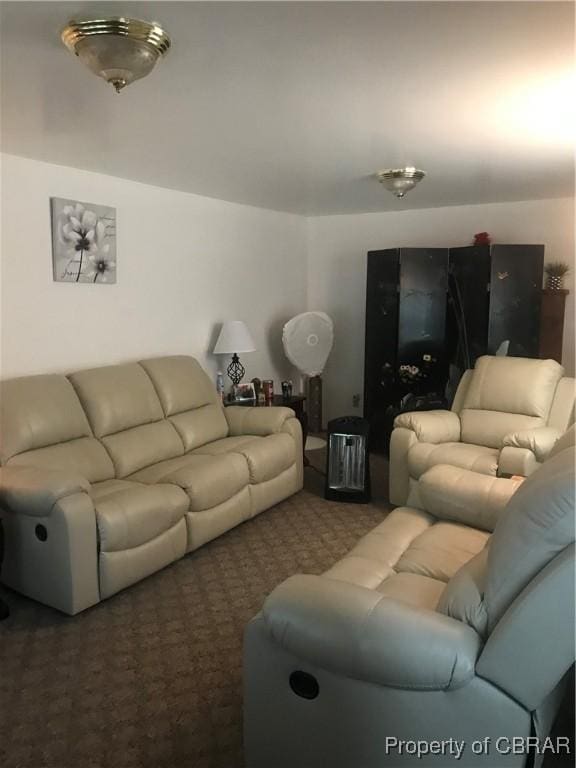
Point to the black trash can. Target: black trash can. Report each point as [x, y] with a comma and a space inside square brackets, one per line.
[347, 460]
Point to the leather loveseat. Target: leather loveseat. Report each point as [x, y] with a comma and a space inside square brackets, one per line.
[112, 473]
[446, 633]
[506, 416]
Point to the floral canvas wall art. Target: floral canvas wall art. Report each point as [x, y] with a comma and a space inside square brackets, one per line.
[83, 242]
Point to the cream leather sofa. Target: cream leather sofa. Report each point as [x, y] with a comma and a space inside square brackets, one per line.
[433, 638]
[110, 474]
[507, 414]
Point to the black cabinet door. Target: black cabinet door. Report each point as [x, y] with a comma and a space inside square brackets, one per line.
[381, 342]
[468, 304]
[422, 319]
[405, 326]
[515, 296]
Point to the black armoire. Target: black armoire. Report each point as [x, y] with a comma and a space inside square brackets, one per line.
[405, 333]
[431, 312]
[495, 293]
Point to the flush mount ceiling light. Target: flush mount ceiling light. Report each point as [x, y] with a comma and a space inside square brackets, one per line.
[118, 49]
[400, 180]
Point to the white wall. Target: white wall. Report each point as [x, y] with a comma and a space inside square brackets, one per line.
[337, 247]
[185, 264]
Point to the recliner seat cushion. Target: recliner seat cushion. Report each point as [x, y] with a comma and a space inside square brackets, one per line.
[410, 557]
[267, 457]
[130, 514]
[442, 550]
[207, 480]
[477, 458]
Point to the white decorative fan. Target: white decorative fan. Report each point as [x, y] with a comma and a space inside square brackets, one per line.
[308, 340]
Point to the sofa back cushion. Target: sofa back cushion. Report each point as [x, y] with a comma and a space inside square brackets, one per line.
[125, 413]
[538, 526]
[507, 394]
[562, 410]
[42, 424]
[189, 399]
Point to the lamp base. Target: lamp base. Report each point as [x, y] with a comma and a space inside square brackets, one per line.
[235, 370]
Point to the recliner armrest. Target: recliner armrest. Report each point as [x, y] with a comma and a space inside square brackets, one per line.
[431, 426]
[359, 633]
[453, 493]
[260, 421]
[540, 441]
[35, 491]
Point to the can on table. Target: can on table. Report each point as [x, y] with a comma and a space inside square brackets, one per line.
[268, 387]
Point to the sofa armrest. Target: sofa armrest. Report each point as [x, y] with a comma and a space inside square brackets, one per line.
[35, 491]
[540, 441]
[431, 426]
[362, 634]
[260, 421]
[452, 493]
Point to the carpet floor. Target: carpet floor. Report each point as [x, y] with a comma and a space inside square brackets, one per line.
[151, 678]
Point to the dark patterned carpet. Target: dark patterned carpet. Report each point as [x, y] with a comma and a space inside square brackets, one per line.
[151, 678]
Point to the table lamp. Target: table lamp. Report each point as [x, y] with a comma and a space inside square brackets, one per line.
[234, 337]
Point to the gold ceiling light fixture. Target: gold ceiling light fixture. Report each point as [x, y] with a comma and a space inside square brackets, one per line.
[117, 49]
[399, 181]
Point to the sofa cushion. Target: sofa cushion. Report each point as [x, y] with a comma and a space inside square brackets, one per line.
[410, 557]
[562, 411]
[188, 398]
[537, 526]
[267, 457]
[125, 413]
[226, 445]
[208, 480]
[413, 589]
[84, 456]
[513, 385]
[441, 550]
[478, 458]
[43, 424]
[374, 557]
[38, 411]
[142, 446]
[507, 394]
[117, 397]
[130, 514]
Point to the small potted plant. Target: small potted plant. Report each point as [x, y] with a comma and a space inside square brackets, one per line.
[555, 273]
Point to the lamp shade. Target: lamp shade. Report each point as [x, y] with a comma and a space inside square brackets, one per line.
[234, 337]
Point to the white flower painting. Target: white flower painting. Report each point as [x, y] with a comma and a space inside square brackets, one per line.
[83, 242]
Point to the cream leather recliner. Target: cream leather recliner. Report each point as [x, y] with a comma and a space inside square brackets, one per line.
[112, 473]
[435, 642]
[507, 414]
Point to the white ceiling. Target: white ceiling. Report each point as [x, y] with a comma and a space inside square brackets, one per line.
[294, 106]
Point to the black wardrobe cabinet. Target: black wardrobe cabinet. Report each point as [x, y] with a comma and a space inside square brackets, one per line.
[495, 293]
[405, 332]
[431, 311]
